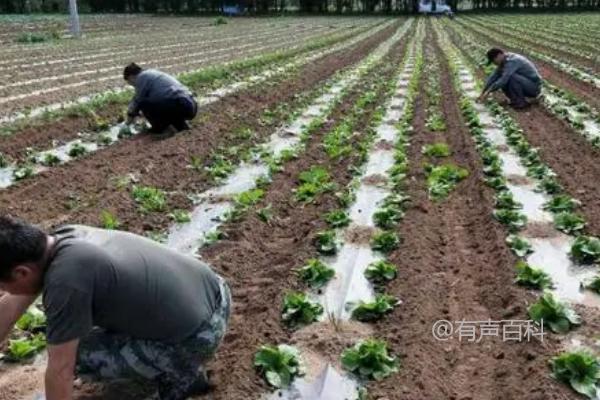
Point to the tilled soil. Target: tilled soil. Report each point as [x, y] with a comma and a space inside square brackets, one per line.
[454, 265]
[88, 185]
[568, 153]
[259, 260]
[585, 91]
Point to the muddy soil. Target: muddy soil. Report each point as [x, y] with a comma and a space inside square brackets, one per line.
[454, 265]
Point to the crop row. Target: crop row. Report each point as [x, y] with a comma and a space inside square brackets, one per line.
[581, 116]
[553, 251]
[39, 161]
[52, 94]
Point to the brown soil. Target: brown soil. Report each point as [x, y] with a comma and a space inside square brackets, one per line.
[568, 153]
[43, 135]
[585, 91]
[359, 234]
[375, 180]
[454, 265]
[540, 230]
[87, 186]
[259, 259]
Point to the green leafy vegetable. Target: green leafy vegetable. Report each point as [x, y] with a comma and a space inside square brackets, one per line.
[513, 219]
[23, 172]
[380, 272]
[337, 218]
[108, 220]
[505, 200]
[369, 359]
[532, 277]
[181, 216]
[385, 241]
[316, 273]
[518, 245]
[326, 242]
[298, 310]
[594, 284]
[442, 179]
[150, 199]
[50, 160]
[372, 311]
[77, 150]
[32, 320]
[26, 347]
[279, 365]
[569, 222]
[561, 203]
[437, 150]
[555, 314]
[580, 369]
[313, 182]
[388, 216]
[586, 250]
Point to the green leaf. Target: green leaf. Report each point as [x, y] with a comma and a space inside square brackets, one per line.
[279, 365]
[561, 203]
[32, 320]
[337, 218]
[385, 242]
[298, 310]
[369, 359]
[442, 179]
[380, 272]
[555, 314]
[569, 222]
[315, 273]
[580, 369]
[437, 150]
[518, 245]
[532, 277]
[326, 242]
[586, 250]
[26, 347]
[513, 219]
[375, 310]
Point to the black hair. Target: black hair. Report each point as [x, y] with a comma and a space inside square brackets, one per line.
[131, 69]
[20, 242]
[493, 53]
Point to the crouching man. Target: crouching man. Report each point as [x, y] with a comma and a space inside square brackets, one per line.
[165, 103]
[118, 306]
[515, 75]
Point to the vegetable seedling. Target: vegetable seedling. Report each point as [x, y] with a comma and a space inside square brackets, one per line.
[380, 272]
[561, 203]
[32, 320]
[438, 150]
[26, 347]
[50, 160]
[580, 369]
[109, 221]
[555, 314]
[586, 250]
[513, 219]
[77, 150]
[375, 310]
[385, 242]
[298, 310]
[518, 245]
[532, 277]
[337, 219]
[26, 171]
[594, 284]
[313, 182]
[150, 199]
[442, 179]
[387, 217]
[326, 242]
[316, 273]
[279, 365]
[181, 216]
[569, 222]
[369, 359]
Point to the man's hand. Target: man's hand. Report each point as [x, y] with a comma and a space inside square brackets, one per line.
[60, 370]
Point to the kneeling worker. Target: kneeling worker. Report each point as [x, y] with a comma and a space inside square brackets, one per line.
[515, 75]
[118, 306]
[162, 99]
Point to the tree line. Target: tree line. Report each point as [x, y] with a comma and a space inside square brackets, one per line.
[280, 6]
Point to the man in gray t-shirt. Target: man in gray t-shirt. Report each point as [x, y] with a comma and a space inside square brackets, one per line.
[162, 99]
[515, 75]
[118, 306]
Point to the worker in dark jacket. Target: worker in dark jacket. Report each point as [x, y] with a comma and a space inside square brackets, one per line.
[515, 75]
[162, 99]
[117, 305]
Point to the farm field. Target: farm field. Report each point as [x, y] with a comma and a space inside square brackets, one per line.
[343, 178]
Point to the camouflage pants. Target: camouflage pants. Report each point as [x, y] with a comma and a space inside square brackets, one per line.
[175, 367]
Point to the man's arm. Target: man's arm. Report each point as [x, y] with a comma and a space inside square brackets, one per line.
[60, 370]
[510, 67]
[11, 309]
[141, 87]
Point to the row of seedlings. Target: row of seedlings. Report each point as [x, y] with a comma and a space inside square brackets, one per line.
[244, 186]
[578, 114]
[545, 230]
[576, 71]
[106, 135]
[241, 187]
[348, 281]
